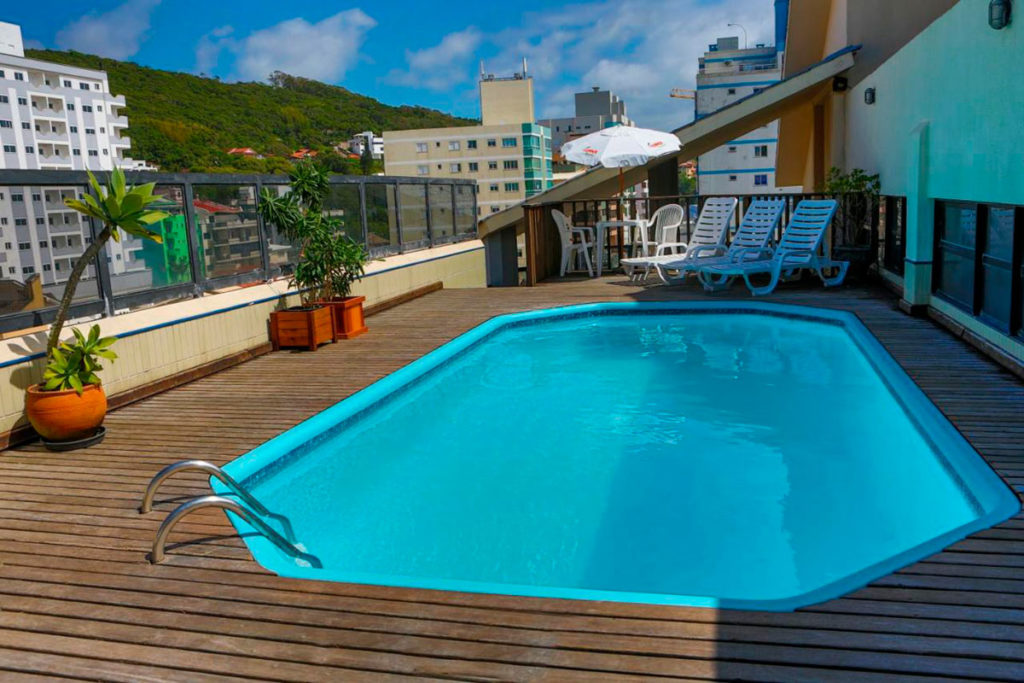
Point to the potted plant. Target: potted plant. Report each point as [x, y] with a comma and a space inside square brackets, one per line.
[855, 238]
[67, 408]
[329, 262]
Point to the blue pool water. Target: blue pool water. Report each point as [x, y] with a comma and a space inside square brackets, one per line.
[761, 457]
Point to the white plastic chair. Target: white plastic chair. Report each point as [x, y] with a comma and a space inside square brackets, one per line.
[798, 250]
[663, 227]
[568, 234]
[710, 230]
[754, 234]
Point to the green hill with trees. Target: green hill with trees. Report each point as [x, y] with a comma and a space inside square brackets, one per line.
[184, 122]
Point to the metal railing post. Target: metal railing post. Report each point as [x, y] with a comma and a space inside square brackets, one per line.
[363, 222]
[194, 237]
[261, 230]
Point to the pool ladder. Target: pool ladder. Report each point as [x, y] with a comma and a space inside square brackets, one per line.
[252, 512]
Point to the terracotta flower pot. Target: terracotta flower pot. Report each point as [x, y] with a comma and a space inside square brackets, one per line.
[64, 415]
[305, 328]
[348, 315]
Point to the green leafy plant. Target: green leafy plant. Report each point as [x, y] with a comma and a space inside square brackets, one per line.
[329, 260]
[119, 208]
[857, 193]
[74, 364]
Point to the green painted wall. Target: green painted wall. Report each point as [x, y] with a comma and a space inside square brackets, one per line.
[967, 81]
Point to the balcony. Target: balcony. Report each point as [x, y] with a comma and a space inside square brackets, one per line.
[116, 101]
[121, 141]
[118, 121]
[47, 113]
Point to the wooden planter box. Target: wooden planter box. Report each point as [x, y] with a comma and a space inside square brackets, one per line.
[348, 316]
[302, 328]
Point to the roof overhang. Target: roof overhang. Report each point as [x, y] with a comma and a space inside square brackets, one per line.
[696, 138]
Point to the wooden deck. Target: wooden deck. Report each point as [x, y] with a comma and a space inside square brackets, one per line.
[78, 598]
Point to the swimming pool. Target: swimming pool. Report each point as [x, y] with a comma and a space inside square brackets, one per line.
[750, 455]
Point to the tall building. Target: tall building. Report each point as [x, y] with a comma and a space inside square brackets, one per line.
[507, 154]
[745, 165]
[595, 110]
[56, 117]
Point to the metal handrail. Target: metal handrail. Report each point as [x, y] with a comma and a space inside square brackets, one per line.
[201, 466]
[157, 555]
[225, 478]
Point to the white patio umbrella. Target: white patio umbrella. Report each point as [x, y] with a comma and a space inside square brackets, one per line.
[620, 147]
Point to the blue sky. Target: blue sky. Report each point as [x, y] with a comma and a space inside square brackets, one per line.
[405, 52]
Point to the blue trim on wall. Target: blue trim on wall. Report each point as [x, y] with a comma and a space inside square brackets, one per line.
[228, 309]
[737, 85]
[767, 57]
[737, 171]
[757, 141]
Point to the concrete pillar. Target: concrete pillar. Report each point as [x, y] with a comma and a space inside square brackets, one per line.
[917, 273]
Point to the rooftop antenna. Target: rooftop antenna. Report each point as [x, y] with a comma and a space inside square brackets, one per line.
[524, 67]
[482, 72]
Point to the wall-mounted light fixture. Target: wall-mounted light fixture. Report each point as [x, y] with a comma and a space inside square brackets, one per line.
[840, 84]
[999, 14]
[869, 96]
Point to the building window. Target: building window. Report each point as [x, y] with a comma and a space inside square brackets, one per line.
[29, 149]
[71, 107]
[455, 168]
[422, 170]
[454, 146]
[36, 197]
[95, 86]
[23, 101]
[511, 164]
[492, 165]
[17, 197]
[46, 266]
[83, 86]
[2, 73]
[90, 131]
[509, 142]
[93, 153]
[494, 187]
[18, 76]
[421, 147]
[99, 108]
[732, 149]
[24, 246]
[974, 262]
[470, 144]
[761, 179]
[6, 124]
[10, 149]
[511, 187]
[10, 269]
[731, 91]
[41, 221]
[26, 125]
[4, 99]
[67, 84]
[43, 244]
[74, 129]
[76, 152]
[87, 108]
[103, 130]
[28, 270]
[732, 178]
[757, 90]
[495, 209]
[106, 152]
[492, 143]
[474, 167]
[760, 150]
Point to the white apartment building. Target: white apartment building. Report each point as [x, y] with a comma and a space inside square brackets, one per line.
[728, 73]
[508, 155]
[360, 141]
[595, 110]
[55, 117]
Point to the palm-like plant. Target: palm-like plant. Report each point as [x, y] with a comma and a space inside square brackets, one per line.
[118, 208]
[329, 260]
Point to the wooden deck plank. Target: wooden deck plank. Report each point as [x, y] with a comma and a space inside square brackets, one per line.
[78, 599]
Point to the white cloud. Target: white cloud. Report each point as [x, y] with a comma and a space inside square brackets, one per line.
[640, 49]
[324, 50]
[442, 66]
[116, 34]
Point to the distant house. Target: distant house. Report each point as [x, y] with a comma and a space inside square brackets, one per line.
[245, 152]
[303, 154]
